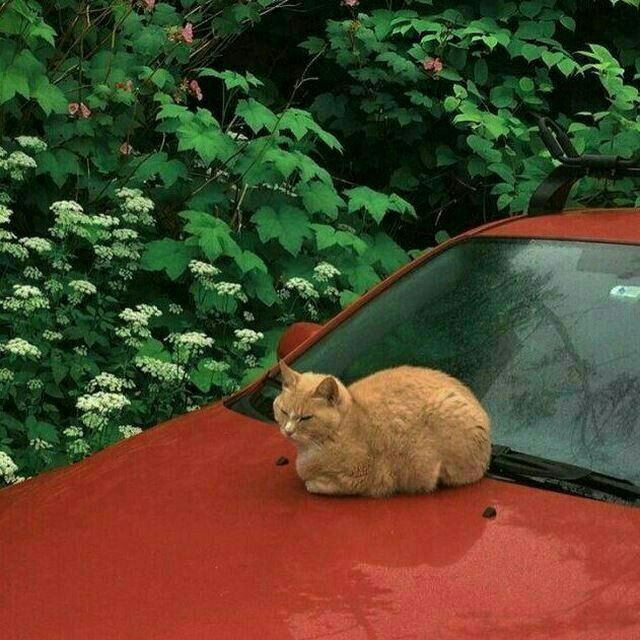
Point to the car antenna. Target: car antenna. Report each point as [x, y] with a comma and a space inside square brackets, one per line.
[551, 196]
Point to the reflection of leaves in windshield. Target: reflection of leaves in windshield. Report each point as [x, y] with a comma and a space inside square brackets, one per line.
[469, 329]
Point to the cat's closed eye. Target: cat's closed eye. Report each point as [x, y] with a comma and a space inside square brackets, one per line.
[306, 417]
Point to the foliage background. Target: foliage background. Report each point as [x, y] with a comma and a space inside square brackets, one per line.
[277, 160]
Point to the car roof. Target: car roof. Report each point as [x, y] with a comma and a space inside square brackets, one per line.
[596, 225]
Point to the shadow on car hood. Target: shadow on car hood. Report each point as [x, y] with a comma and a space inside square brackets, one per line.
[191, 531]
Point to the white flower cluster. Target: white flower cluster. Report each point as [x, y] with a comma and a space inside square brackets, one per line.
[189, 344]
[303, 288]
[39, 245]
[81, 351]
[311, 310]
[53, 286]
[216, 366]
[78, 447]
[109, 382]
[51, 336]
[39, 444]
[97, 407]
[60, 264]
[174, 308]
[128, 431]
[33, 273]
[136, 329]
[6, 375]
[80, 289]
[251, 361]
[246, 338]
[160, 370]
[125, 234]
[70, 219]
[5, 214]
[22, 348]
[34, 384]
[324, 271]
[135, 207]
[203, 269]
[26, 299]
[103, 402]
[73, 432]
[31, 143]
[231, 289]
[8, 469]
[17, 163]
[248, 316]
[11, 248]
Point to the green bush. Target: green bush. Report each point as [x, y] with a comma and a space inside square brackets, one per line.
[437, 99]
[153, 249]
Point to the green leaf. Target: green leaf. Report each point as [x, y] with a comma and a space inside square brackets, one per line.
[481, 71]
[531, 52]
[568, 22]
[501, 97]
[327, 237]
[442, 236]
[527, 85]
[260, 285]
[376, 204]
[445, 156]
[248, 261]
[289, 226]
[59, 164]
[256, 115]
[319, 197]
[233, 79]
[41, 430]
[567, 66]
[214, 236]
[49, 96]
[204, 136]
[347, 297]
[385, 252]
[167, 255]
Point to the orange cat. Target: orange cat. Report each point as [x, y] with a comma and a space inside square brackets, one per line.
[399, 430]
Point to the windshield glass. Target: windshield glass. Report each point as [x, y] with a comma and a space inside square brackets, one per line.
[544, 332]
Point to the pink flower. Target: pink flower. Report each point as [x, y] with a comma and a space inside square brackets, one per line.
[187, 33]
[148, 5]
[125, 86]
[79, 110]
[194, 89]
[432, 64]
[350, 3]
[126, 149]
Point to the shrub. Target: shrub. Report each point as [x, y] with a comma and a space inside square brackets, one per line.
[437, 99]
[152, 248]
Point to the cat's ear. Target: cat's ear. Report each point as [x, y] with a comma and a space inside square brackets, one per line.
[289, 376]
[328, 390]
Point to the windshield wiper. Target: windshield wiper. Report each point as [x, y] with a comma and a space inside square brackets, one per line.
[560, 476]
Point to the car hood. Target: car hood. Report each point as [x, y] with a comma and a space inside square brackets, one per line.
[190, 531]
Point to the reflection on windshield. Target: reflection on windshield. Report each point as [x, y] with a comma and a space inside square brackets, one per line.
[544, 332]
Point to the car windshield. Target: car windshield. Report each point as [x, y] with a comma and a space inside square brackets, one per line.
[544, 332]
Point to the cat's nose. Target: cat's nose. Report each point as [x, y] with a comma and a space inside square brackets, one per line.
[289, 428]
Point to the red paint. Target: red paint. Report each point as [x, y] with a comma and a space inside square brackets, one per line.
[296, 335]
[604, 225]
[191, 531]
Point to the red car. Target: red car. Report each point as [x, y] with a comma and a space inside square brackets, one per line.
[198, 528]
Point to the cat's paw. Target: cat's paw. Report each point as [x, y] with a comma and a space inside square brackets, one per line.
[322, 487]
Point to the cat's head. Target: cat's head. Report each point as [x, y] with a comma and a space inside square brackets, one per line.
[310, 407]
